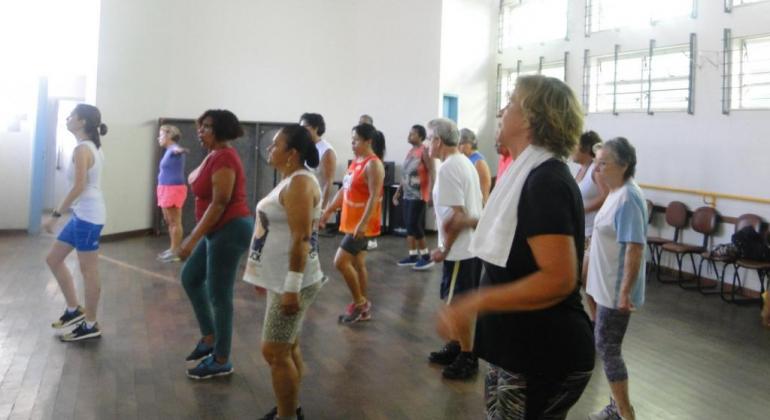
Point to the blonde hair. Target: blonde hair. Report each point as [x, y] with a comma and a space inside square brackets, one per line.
[553, 111]
[173, 131]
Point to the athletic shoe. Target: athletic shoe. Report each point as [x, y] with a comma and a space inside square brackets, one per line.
[200, 352]
[610, 412]
[446, 355]
[169, 258]
[209, 368]
[464, 367]
[273, 414]
[408, 261]
[424, 263]
[372, 244]
[82, 332]
[354, 313]
[69, 318]
[165, 253]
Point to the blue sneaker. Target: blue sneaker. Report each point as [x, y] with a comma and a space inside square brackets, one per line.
[209, 368]
[408, 261]
[70, 318]
[424, 263]
[201, 351]
[82, 332]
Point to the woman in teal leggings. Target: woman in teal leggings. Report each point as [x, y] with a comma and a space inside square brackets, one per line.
[217, 243]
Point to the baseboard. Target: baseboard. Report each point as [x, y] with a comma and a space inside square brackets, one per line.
[744, 292]
[12, 232]
[126, 235]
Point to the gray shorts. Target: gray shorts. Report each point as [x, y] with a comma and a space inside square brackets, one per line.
[354, 246]
[280, 328]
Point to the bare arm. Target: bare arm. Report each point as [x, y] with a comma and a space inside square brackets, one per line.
[631, 264]
[375, 176]
[328, 167]
[299, 199]
[83, 160]
[333, 206]
[430, 165]
[223, 183]
[485, 180]
[596, 203]
[555, 279]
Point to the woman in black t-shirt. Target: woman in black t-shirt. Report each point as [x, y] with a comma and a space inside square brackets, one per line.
[531, 327]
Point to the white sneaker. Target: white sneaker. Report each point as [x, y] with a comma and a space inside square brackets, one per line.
[372, 244]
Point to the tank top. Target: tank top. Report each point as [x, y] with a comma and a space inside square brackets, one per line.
[589, 191]
[268, 260]
[414, 176]
[89, 205]
[355, 195]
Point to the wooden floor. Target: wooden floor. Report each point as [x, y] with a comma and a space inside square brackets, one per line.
[689, 356]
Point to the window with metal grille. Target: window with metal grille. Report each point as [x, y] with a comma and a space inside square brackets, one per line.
[532, 21]
[657, 79]
[749, 81]
[612, 14]
[507, 77]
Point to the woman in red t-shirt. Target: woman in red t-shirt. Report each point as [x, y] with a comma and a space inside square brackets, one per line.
[214, 248]
[361, 201]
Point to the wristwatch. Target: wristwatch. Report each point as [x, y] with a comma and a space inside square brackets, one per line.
[55, 214]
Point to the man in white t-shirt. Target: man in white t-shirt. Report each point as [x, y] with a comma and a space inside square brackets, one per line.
[456, 195]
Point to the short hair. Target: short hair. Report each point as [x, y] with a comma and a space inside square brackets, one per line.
[588, 140]
[298, 138]
[446, 130]
[224, 124]
[316, 121]
[367, 119]
[467, 136]
[368, 132]
[553, 111]
[622, 151]
[173, 131]
[420, 130]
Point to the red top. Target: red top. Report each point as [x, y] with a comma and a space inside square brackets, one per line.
[200, 181]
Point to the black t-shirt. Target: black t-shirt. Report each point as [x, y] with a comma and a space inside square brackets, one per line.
[552, 341]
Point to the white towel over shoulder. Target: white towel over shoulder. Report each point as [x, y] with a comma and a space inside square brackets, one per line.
[493, 237]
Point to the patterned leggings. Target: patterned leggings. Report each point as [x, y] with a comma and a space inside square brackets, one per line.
[516, 396]
[611, 326]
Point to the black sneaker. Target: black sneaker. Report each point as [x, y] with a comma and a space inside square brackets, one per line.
[446, 355]
[464, 367]
[69, 318]
[273, 414]
[200, 352]
[82, 332]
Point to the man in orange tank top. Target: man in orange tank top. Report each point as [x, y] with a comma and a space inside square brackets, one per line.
[413, 193]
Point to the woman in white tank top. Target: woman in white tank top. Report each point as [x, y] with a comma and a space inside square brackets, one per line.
[284, 260]
[594, 191]
[84, 228]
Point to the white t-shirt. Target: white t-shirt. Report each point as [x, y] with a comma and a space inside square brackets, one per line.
[457, 184]
[622, 219]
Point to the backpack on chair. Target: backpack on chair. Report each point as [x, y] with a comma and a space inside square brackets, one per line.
[750, 245]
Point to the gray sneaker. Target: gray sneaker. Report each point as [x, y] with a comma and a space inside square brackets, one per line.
[610, 412]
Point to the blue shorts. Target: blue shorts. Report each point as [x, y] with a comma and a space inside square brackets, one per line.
[82, 235]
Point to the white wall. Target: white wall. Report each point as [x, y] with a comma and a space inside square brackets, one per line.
[469, 66]
[15, 172]
[265, 61]
[707, 150]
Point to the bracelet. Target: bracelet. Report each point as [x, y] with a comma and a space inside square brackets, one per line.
[55, 214]
[293, 282]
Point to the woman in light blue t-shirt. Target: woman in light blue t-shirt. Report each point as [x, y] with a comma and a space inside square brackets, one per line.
[615, 277]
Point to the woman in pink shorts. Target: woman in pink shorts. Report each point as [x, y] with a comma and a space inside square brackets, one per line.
[172, 190]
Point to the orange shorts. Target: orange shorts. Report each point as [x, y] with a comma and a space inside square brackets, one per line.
[171, 195]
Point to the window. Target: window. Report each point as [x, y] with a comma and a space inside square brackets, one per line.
[657, 79]
[532, 21]
[749, 76]
[611, 14]
[507, 77]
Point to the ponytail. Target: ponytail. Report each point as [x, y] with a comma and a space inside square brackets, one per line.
[94, 127]
[368, 132]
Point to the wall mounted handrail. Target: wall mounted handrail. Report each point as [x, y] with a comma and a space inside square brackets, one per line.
[709, 197]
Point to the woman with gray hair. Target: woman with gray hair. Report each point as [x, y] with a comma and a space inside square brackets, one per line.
[615, 280]
[531, 328]
[469, 146]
